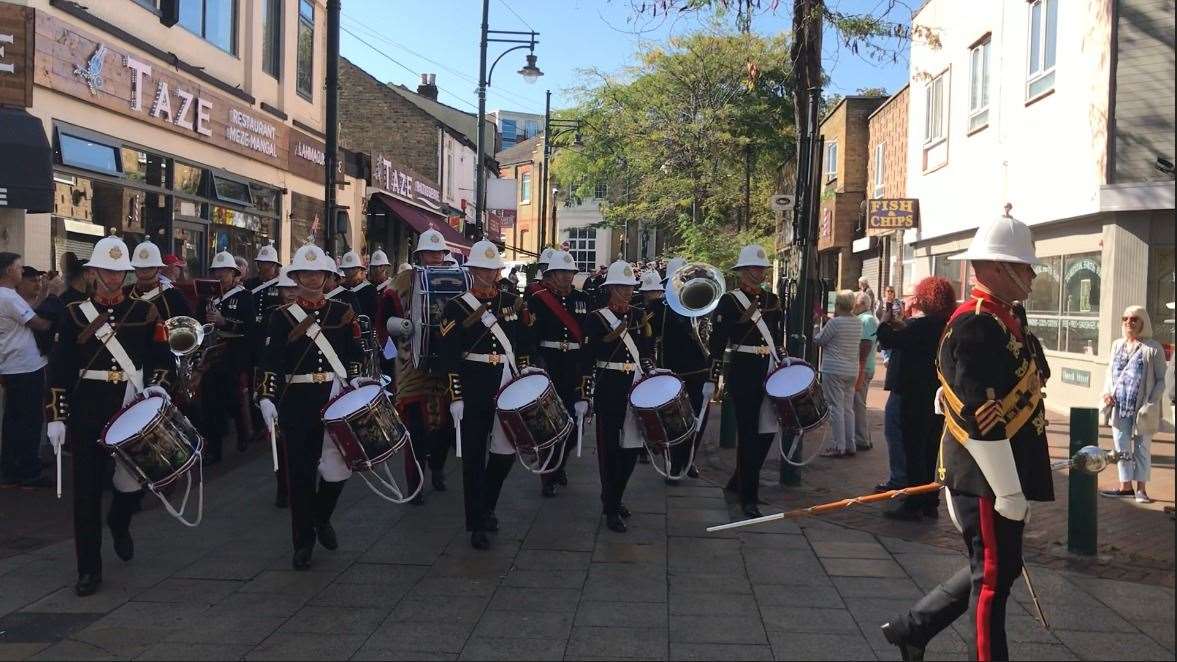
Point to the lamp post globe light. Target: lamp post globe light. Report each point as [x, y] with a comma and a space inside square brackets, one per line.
[530, 73]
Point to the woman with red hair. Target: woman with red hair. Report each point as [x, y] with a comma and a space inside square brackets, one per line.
[911, 376]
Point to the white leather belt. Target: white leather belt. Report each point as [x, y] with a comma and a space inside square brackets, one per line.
[620, 366]
[762, 350]
[113, 376]
[562, 345]
[311, 378]
[492, 359]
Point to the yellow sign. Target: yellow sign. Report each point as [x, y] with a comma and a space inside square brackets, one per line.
[886, 214]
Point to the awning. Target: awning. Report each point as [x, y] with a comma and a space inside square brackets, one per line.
[26, 171]
[421, 220]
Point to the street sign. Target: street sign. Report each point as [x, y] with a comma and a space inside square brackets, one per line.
[781, 202]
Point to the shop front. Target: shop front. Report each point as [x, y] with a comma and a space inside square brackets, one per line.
[400, 205]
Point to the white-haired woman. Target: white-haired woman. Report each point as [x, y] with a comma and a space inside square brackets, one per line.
[1132, 389]
[839, 339]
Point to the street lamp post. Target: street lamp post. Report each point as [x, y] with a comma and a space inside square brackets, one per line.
[530, 73]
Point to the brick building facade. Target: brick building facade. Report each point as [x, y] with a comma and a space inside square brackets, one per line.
[886, 174]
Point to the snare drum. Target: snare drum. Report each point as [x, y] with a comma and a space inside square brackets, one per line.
[364, 426]
[796, 395]
[534, 420]
[153, 441]
[663, 411]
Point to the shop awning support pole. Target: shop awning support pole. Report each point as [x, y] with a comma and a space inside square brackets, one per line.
[331, 159]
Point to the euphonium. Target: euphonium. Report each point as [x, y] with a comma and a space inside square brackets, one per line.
[185, 337]
[694, 289]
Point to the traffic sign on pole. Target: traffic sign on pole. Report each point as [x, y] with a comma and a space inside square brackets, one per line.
[781, 201]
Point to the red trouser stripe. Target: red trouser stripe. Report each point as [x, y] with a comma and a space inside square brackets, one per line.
[988, 580]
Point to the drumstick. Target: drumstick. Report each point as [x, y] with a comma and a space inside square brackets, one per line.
[274, 445]
[458, 435]
[579, 432]
[57, 452]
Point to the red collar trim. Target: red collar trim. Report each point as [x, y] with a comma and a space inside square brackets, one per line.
[312, 305]
[994, 305]
[555, 290]
[112, 300]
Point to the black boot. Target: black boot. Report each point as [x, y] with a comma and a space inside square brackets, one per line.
[615, 523]
[302, 558]
[562, 477]
[907, 651]
[549, 489]
[492, 522]
[87, 584]
[623, 511]
[124, 546]
[439, 482]
[903, 513]
[751, 510]
[479, 540]
[692, 472]
[326, 535]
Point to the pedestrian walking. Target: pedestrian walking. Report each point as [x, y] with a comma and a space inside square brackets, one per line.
[22, 367]
[840, 339]
[864, 288]
[866, 370]
[1132, 391]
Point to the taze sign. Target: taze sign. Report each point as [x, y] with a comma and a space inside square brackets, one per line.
[887, 214]
[402, 182]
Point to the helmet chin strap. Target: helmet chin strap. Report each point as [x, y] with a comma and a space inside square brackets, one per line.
[1023, 285]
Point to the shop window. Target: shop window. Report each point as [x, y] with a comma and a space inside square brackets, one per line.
[88, 154]
[1161, 294]
[187, 178]
[213, 20]
[1063, 307]
[240, 233]
[265, 199]
[952, 270]
[272, 37]
[231, 190]
[306, 49]
[582, 243]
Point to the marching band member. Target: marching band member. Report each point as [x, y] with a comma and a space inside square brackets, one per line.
[312, 351]
[680, 350]
[748, 323]
[110, 347]
[334, 289]
[264, 288]
[287, 293]
[486, 341]
[621, 345]
[560, 311]
[150, 286]
[422, 399]
[233, 316]
[378, 267]
[545, 258]
[355, 280]
[993, 456]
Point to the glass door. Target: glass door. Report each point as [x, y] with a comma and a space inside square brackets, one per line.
[190, 243]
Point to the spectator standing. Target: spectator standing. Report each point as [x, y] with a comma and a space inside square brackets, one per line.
[839, 339]
[888, 308]
[22, 367]
[31, 288]
[864, 287]
[866, 370]
[1132, 391]
[917, 340]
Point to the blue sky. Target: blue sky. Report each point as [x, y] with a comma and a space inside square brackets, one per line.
[441, 37]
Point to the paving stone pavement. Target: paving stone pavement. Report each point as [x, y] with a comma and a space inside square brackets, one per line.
[405, 584]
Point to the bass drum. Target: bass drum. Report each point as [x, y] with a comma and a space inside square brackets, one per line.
[433, 287]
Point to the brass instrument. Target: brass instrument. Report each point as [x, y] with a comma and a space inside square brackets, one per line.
[186, 336]
[370, 345]
[694, 289]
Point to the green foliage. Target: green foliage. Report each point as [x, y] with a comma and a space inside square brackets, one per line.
[671, 136]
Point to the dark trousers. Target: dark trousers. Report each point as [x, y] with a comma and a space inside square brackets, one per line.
[219, 404]
[982, 589]
[430, 447]
[614, 462]
[681, 454]
[24, 416]
[921, 432]
[893, 431]
[312, 500]
[569, 443]
[483, 472]
[752, 447]
[93, 469]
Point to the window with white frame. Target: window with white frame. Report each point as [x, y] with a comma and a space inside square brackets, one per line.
[979, 85]
[880, 169]
[831, 161]
[1043, 29]
[525, 188]
[582, 243]
[935, 108]
[602, 190]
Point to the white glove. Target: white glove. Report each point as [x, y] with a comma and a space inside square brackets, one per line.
[531, 370]
[269, 411]
[56, 432]
[357, 382]
[995, 459]
[457, 408]
[399, 327]
[708, 391]
[157, 391]
[659, 371]
[581, 408]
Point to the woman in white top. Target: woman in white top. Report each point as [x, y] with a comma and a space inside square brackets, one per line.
[1132, 390]
[839, 340]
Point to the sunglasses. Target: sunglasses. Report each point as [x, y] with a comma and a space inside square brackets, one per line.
[1129, 319]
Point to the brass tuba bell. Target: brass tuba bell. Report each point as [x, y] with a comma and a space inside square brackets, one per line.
[694, 289]
[185, 337]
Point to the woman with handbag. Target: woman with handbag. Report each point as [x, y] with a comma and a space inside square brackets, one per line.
[1132, 399]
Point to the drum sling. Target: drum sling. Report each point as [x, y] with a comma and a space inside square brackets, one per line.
[499, 444]
[630, 435]
[331, 464]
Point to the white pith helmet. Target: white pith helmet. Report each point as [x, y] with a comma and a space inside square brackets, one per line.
[311, 258]
[486, 255]
[405, 266]
[674, 265]
[224, 260]
[430, 240]
[146, 256]
[752, 255]
[561, 261]
[111, 253]
[545, 256]
[351, 260]
[284, 279]
[651, 282]
[1004, 239]
[379, 259]
[450, 259]
[268, 253]
[620, 273]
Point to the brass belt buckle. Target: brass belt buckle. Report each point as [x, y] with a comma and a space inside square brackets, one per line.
[628, 367]
[116, 376]
[494, 358]
[318, 377]
[563, 345]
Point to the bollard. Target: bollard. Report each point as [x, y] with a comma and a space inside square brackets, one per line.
[1082, 509]
[727, 423]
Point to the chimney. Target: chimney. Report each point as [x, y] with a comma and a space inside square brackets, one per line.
[428, 86]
